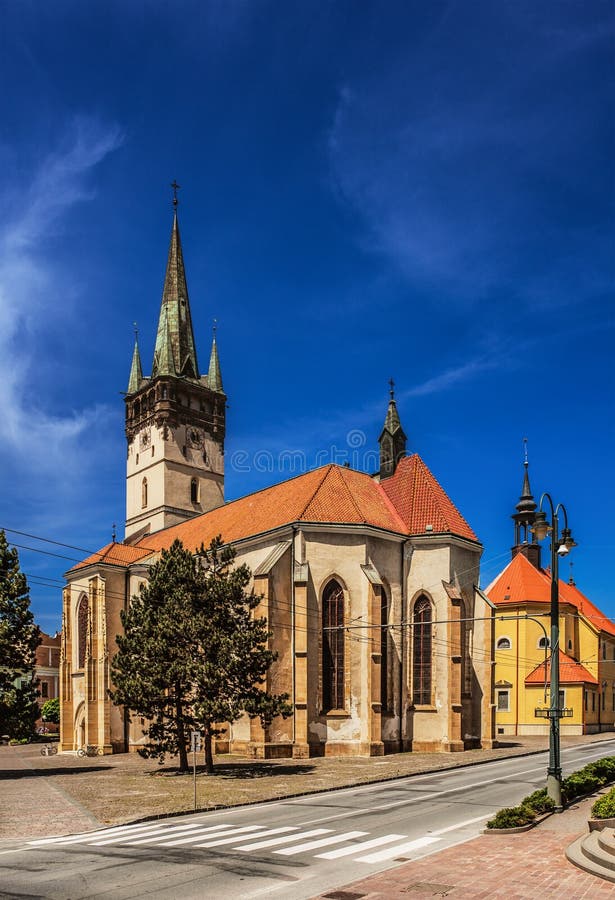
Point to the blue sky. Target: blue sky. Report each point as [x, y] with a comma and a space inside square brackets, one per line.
[416, 190]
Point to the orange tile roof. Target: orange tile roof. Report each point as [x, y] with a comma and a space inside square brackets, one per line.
[330, 495]
[570, 672]
[114, 555]
[403, 504]
[422, 501]
[521, 582]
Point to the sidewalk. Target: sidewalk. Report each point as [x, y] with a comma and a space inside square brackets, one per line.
[32, 805]
[516, 866]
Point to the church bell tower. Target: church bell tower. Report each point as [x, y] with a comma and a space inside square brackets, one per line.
[175, 418]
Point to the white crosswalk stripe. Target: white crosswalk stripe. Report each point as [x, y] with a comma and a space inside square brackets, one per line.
[241, 837]
[361, 846]
[275, 842]
[122, 838]
[288, 840]
[322, 842]
[88, 835]
[168, 835]
[397, 850]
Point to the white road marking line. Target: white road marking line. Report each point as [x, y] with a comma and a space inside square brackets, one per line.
[363, 845]
[119, 838]
[170, 834]
[461, 824]
[322, 842]
[391, 852]
[274, 842]
[84, 836]
[240, 837]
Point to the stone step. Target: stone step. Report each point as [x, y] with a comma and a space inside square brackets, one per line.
[606, 840]
[586, 854]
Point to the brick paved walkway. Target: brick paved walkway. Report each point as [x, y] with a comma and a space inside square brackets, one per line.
[31, 806]
[516, 866]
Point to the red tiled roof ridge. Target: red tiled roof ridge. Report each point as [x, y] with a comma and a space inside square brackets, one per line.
[326, 472]
[534, 585]
[570, 671]
[360, 512]
[438, 498]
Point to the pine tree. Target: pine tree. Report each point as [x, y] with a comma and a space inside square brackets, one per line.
[19, 638]
[191, 653]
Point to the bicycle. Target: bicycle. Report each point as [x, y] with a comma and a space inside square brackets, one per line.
[49, 750]
[90, 750]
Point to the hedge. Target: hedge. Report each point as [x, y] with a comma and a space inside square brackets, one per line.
[585, 781]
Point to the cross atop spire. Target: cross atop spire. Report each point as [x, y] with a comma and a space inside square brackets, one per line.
[175, 187]
[391, 388]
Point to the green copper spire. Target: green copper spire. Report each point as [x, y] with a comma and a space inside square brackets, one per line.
[214, 375]
[175, 322]
[164, 364]
[136, 371]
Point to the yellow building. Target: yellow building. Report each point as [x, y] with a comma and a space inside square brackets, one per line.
[522, 596]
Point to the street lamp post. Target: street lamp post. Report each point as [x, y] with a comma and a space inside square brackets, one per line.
[560, 546]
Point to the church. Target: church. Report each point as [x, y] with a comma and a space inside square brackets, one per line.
[368, 581]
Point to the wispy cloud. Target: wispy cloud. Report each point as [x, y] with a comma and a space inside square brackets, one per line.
[469, 169]
[31, 303]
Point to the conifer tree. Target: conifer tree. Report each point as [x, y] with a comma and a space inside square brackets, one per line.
[19, 638]
[192, 654]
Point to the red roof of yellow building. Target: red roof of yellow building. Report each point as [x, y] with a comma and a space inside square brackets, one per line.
[521, 582]
[570, 672]
[405, 504]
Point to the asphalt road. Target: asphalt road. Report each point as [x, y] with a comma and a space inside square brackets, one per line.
[291, 849]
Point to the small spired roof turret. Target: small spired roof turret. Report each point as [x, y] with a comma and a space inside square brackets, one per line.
[214, 375]
[175, 332]
[524, 518]
[136, 371]
[392, 439]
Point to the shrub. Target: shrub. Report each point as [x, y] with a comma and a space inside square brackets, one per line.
[512, 817]
[604, 807]
[586, 780]
[603, 768]
[539, 801]
[579, 783]
[15, 741]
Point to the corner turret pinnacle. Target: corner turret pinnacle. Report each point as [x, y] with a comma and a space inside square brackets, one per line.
[214, 375]
[392, 439]
[136, 371]
[175, 322]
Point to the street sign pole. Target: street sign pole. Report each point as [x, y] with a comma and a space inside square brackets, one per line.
[195, 746]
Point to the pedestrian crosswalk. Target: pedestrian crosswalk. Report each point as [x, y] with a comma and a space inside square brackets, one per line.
[283, 841]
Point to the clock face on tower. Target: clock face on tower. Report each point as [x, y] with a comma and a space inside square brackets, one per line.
[144, 439]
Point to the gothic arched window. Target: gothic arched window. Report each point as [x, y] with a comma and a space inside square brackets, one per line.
[194, 491]
[333, 647]
[384, 650]
[421, 653]
[82, 630]
[144, 493]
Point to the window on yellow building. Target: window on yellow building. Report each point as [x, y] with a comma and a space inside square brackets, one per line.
[504, 643]
[503, 701]
[585, 700]
[593, 701]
